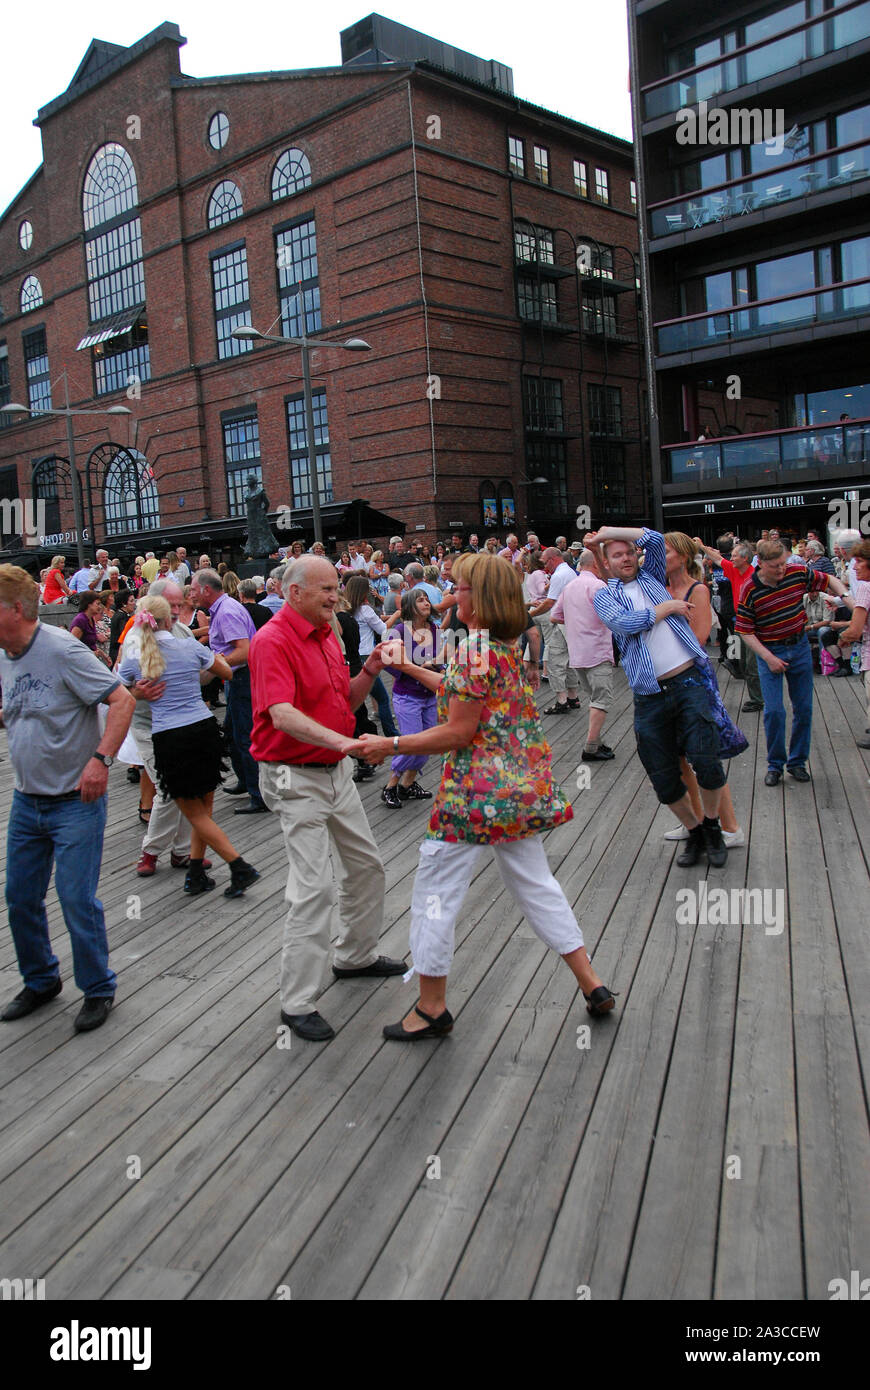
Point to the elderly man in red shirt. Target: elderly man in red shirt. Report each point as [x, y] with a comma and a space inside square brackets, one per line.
[303, 700]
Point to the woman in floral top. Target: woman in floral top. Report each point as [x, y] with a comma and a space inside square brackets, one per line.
[496, 789]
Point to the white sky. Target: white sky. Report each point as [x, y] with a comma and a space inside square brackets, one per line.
[570, 56]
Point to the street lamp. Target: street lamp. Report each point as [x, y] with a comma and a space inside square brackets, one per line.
[304, 343]
[75, 481]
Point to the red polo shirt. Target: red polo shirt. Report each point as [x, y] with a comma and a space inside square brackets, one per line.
[293, 663]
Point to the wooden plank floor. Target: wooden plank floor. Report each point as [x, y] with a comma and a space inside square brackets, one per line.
[709, 1139]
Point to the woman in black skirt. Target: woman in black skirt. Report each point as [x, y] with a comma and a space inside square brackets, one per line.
[189, 747]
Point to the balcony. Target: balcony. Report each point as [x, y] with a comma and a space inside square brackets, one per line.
[763, 317]
[839, 168]
[825, 449]
[828, 33]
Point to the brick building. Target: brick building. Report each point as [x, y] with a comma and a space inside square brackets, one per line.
[483, 247]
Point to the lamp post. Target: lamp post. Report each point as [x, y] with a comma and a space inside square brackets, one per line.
[75, 481]
[352, 345]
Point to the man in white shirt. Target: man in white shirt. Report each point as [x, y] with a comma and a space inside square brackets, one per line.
[357, 560]
[564, 682]
[182, 574]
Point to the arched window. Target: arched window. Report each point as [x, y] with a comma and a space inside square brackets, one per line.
[292, 172]
[31, 294]
[115, 272]
[130, 494]
[225, 204]
[110, 186]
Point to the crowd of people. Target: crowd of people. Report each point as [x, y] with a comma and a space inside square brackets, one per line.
[466, 632]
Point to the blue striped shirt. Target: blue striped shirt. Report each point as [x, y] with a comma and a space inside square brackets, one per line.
[628, 624]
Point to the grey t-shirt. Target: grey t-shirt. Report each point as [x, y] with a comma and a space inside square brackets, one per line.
[50, 698]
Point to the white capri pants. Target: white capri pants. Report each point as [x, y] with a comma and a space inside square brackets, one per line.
[443, 874]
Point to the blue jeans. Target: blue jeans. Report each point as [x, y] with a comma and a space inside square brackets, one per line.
[238, 725]
[41, 831]
[678, 721]
[799, 677]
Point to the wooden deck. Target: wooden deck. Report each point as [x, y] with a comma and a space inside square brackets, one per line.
[732, 1050]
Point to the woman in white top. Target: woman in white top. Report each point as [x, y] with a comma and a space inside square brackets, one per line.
[371, 629]
[189, 745]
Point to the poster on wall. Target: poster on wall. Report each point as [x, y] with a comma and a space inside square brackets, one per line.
[508, 512]
[490, 512]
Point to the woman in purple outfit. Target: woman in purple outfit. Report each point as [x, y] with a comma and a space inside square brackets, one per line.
[415, 706]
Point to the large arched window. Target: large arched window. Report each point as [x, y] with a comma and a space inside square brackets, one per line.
[292, 172]
[130, 494]
[113, 246]
[225, 204]
[31, 294]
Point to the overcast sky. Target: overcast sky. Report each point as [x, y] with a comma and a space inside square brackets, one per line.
[571, 57]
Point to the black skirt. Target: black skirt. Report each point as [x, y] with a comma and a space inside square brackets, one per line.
[190, 761]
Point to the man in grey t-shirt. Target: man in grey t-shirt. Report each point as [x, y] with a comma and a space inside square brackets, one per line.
[52, 686]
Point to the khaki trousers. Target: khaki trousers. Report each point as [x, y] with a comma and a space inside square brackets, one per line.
[329, 845]
[561, 673]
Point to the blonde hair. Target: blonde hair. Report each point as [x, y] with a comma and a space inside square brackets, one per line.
[152, 662]
[687, 550]
[230, 584]
[58, 563]
[496, 593]
[770, 550]
[16, 586]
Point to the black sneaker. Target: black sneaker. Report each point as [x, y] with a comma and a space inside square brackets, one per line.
[390, 797]
[28, 1000]
[717, 850]
[197, 881]
[695, 846]
[413, 793]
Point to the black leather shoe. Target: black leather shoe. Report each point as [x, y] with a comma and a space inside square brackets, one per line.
[28, 1000]
[695, 846]
[236, 790]
[309, 1026]
[717, 850]
[93, 1013]
[753, 706]
[799, 774]
[254, 808]
[772, 778]
[437, 1028]
[601, 755]
[862, 742]
[600, 1001]
[381, 966]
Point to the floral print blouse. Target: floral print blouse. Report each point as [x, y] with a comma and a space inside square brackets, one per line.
[501, 786]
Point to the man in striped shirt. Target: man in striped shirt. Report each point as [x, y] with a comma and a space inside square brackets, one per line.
[771, 620]
[660, 656]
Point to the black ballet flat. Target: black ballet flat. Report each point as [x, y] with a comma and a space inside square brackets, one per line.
[600, 1001]
[438, 1027]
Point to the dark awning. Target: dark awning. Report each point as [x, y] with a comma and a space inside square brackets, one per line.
[111, 327]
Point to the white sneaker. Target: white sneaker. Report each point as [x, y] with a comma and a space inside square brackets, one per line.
[734, 838]
[681, 833]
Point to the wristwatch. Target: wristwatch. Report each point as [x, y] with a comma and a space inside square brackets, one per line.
[104, 759]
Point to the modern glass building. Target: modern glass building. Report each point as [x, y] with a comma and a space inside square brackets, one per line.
[752, 126]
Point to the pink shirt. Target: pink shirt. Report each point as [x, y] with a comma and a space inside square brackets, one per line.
[589, 641]
[536, 585]
[515, 556]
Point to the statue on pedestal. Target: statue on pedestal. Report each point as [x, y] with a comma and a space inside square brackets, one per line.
[260, 540]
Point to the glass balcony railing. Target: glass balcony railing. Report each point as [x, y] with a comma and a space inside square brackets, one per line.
[764, 316]
[833, 169]
[828, 447]
[827, 33]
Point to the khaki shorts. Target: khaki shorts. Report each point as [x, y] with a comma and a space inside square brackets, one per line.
[597, 683]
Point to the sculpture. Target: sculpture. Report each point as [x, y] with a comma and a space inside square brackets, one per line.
[260, 539]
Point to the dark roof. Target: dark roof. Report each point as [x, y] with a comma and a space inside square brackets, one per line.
[103, 60]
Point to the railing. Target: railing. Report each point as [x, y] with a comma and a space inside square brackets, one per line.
[834, 169]
[827, 447]
[826, 33]
[713, 328]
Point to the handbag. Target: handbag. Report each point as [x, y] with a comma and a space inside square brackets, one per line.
[732, 740]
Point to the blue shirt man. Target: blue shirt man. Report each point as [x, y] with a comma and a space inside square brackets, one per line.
[662, 659]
